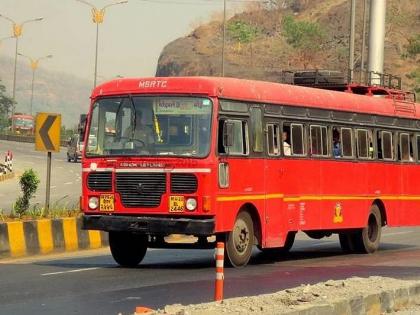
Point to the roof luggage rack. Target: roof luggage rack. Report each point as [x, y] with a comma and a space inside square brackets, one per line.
[324, 79]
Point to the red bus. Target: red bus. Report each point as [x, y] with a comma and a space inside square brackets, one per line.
[24, 124]
[250, 162]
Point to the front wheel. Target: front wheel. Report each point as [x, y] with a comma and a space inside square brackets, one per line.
[240, 240]
[127, 249]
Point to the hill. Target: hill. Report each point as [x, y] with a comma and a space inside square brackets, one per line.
[53, 91]
[257, 45]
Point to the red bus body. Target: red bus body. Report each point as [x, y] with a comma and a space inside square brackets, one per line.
[282, 194]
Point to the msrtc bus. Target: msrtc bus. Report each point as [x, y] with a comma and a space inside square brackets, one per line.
[249, 162]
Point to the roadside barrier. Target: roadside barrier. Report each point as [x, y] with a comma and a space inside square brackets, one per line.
[7, 166]
[220, 277]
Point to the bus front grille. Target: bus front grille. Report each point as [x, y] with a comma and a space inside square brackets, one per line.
[141, 189]
[183, 183]
[100, 181]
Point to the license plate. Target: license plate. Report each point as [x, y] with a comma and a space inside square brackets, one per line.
[176, 204]
[106, 203]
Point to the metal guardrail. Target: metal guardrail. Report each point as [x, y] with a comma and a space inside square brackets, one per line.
[27, 139]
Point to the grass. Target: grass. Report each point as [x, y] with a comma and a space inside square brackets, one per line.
[59, 209]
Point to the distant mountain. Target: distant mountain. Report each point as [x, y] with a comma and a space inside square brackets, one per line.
[54, 92]
[257, 48]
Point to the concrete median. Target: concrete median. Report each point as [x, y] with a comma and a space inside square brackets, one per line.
[44, 236]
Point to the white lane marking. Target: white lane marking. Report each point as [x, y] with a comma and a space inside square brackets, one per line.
[397, 233]
[60, 167]
[69, 271]
[59, 160]
[38, 157]
[52, 187]
[71, 171]
[68, 183]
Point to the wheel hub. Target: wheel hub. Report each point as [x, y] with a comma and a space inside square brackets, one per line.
[241, 237]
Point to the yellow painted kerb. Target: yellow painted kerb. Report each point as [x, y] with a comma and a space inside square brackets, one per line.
[16, 238]
[71, 241]
[46, 244]
[95, 240]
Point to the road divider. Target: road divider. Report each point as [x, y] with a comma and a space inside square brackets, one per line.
[6, 167]
[44, 236]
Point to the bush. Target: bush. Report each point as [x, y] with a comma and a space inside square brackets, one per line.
[29, 182]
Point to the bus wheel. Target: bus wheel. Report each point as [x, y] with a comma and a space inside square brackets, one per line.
[367, 240]
[240, 240]
[127, 249]
[346, 242]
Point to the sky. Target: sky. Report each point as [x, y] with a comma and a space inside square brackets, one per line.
[130, 39]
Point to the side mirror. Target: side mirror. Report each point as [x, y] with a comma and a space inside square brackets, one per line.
[82, 125]
[228, 134]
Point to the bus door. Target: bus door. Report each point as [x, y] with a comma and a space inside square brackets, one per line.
[275, 229]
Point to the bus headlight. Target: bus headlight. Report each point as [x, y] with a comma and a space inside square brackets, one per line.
[93, 203]
[191, 204]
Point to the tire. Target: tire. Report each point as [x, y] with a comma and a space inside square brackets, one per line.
[346, 242]
[278, 251]
[68, 158]
[367, 240]
[128, 249]
[240, 241]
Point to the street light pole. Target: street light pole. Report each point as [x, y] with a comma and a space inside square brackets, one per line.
[98, 18]
[17, 32]
[223, 38]
[34, 66]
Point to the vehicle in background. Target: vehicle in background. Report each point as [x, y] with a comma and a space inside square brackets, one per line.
[24, 124]
[75, 148]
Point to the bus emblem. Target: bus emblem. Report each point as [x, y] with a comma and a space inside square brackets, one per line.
[338, 215]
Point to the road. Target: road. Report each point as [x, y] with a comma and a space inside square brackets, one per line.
[90, 282]
[65, 177]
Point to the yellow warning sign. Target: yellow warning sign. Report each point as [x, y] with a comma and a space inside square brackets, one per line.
[47, 132]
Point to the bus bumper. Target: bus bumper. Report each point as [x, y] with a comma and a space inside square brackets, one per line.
[149, 225]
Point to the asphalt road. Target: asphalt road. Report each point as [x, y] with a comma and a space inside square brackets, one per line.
[65, 177]
[91, 283]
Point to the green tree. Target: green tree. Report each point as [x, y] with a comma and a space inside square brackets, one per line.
[29, 182]
[6, 104]
[243, 33]
[305, 37]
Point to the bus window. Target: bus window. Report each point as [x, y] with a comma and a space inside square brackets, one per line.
[257, 130]
[362, 143]
[418, 147]
[336, 142]
[297, 136]
[240, 137]
[319, 143]
[387, 145]
[405, 148]
[347, 142]
[273, 140]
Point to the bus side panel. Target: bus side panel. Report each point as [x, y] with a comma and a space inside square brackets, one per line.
[410, 174]
[246, 186]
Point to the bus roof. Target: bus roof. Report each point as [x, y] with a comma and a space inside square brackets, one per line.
[261, 92]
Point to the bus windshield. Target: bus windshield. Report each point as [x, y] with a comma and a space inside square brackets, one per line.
[150, 125]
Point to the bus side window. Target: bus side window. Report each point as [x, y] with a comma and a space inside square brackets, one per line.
[418, 147]
[387, 145]
[273, 139]
[405, 148]
[362, 144]
[318, 140]
[240, 145]
[379, 144]
[336, 142]
[297, 136]
[347, 142]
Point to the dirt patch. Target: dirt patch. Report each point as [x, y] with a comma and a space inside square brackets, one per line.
[295, 299]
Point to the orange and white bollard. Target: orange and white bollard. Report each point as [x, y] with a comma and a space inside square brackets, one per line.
[220, 277]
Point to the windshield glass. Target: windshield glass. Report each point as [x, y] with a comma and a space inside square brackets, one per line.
[150, 125]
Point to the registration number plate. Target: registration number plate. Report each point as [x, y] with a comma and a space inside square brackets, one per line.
[106, 203]
[176, 204]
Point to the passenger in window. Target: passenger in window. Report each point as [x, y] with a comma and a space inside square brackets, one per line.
[286, 144]
[336, 144]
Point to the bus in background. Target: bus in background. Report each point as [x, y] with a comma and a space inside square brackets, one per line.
[250, 162]
[24, 124]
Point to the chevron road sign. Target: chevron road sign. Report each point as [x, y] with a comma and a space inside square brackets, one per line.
[47, 132]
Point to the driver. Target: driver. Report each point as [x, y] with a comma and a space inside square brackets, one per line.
[142, 133]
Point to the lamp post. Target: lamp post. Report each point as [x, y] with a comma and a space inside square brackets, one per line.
[98, 18]
[223, 38]
[34, 66]
[17, 30]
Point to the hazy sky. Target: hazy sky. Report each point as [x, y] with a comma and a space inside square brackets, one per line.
[130, 39]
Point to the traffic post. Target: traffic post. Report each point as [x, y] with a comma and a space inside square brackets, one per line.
[220, 277]
[47, 139]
